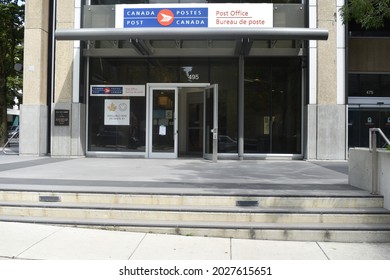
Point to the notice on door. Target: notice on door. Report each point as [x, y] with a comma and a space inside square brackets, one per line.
[116, 112]
[162, 130]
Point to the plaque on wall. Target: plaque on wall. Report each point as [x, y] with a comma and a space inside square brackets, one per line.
[61, 117]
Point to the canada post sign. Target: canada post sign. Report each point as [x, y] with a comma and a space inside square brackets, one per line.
[164, 17]
[194, 15]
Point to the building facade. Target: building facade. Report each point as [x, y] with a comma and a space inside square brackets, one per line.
[166, 79]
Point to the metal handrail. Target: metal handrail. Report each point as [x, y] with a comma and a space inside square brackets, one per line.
[372, 147]
[372, 133]
[14, 135]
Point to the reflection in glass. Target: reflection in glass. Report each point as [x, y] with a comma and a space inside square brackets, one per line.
[273, 109]
[163, 138]
[126, 71]
[369, 85]
[195, 128]
[209, 121]
[360, 120]
[124, 138]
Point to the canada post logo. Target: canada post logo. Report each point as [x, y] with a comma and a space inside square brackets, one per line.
[100, 90]
[165, 17]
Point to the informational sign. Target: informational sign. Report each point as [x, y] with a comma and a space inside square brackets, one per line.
[162, 131]
[370, 122]
[116, 112]
[387, 122]
[117, 90]
[61, 117]
[194, 15]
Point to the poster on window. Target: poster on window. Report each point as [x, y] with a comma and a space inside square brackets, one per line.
[116, 112]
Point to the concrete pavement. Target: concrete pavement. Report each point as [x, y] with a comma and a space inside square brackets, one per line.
[173, 176]
[42, 242]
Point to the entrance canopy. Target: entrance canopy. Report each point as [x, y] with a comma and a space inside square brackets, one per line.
[191, 41]
[277, 33]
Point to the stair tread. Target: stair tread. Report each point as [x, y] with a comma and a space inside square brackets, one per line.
[197, 189]
[186, 224]
[212, 209]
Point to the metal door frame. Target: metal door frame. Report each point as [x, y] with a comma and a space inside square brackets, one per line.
[214, 155]
[149, 117]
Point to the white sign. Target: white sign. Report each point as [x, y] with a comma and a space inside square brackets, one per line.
[117, 90]
[116, 112]
[194, 15]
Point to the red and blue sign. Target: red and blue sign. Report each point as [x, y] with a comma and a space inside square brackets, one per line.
[165, 17]
[106, 90]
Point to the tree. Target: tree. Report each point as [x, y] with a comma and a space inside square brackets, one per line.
[11, 53]
[370, 14]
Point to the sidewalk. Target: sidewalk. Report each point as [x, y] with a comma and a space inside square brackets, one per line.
[33, 241]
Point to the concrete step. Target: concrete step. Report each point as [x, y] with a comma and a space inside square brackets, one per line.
[265, 231]
[195, 214]
[197, 208]
[343, 218]
[266, 201]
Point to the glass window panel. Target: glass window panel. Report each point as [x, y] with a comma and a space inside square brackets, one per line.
[272, 107]
[124, 138]
[385, 85]
[257, 107]
[286, 107]
[356, 30]
[361, 120]
[120, 138]
[117, 71]
[163, 138]
[369, 85]
[163, 70]
[384, 125]
[224, 72]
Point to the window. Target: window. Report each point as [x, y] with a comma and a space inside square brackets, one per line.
[273, 102]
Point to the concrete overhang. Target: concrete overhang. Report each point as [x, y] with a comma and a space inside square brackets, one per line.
[277, 33]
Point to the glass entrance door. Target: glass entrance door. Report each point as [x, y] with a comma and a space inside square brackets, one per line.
[210, 150]
[163, 126]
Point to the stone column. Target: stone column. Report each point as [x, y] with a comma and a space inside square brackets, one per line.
[67, 140]
[332, 111]
[34, 110]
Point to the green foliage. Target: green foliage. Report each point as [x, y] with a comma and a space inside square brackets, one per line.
[11, 52]
[370, 14]
[388, 147]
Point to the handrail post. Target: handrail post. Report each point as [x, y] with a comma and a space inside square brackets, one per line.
[374, 174]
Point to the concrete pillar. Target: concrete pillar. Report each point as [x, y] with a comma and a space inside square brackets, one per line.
[67, 140]
[34, 110]
[327, 110]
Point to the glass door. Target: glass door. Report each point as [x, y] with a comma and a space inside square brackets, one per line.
[163, 123]
[210, 150]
